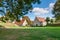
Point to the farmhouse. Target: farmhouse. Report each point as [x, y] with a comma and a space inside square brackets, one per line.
[39, 22]
[24, 22]
[27, 22]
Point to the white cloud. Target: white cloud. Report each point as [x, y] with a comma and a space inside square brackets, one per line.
[51, 5]
[40, 10]
[43, 11]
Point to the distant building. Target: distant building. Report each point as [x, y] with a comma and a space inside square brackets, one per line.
[27, 22]
[39, 22]
[24, 22]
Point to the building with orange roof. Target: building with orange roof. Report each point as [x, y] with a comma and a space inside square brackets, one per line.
[39, 21]
[24, 22]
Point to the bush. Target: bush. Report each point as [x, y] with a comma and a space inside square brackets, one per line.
[54, 25]
[1, 26]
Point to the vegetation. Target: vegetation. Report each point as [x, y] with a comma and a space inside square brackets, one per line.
[45, 33]
[8, 25]
[56, 10]
[51, 21]
[47, 20]
[17, 8]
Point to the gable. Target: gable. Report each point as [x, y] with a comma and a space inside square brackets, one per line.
[27, 19]
[25, 23]
[39, 19]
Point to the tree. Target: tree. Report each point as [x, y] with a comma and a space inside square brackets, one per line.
[18, 8]
[9, 16]
[56, 10]
[51, 21]
[47, 20]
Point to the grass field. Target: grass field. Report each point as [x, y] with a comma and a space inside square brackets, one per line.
[30, 33]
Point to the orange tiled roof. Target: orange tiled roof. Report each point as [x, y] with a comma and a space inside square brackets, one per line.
[20, 22]
[23, 19]
[40, 19]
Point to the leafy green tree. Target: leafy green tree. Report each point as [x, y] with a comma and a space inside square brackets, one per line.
[9, 16]
[47, 20]
[2, 19]
[56, 10]
[18, 8]
[51, 21]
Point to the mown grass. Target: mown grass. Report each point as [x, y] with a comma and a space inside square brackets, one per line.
[30, 33]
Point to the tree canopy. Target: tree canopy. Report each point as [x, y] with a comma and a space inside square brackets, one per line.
[17, 8]
[56, 10]
[47, 20]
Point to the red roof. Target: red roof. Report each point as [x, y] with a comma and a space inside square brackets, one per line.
[40, 19]
[20, 22]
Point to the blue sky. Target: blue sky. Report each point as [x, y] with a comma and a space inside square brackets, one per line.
[44, 9]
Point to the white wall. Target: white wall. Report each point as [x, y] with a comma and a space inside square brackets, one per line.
[25, 23]
[39, 23]
[36, 22]
[44, 23]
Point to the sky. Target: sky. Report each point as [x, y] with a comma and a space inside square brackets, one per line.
[44, 9]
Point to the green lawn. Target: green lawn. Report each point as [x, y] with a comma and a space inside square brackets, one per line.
[30, 33]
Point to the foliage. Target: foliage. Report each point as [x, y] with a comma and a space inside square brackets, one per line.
[47, 20]
[18, 8]
[2, 19]
[56, 10]
[9, 16]
[51, 20]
